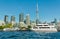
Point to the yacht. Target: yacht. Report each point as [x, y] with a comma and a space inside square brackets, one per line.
[44, 28]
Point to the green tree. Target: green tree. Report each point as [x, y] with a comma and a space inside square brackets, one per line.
[8, 25]
[29, 27]
[1, 27]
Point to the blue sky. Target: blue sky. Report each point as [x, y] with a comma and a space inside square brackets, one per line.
[48, 9]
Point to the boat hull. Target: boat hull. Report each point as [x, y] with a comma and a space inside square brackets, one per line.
[45, 30]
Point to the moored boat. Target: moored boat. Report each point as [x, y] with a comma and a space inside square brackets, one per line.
[11, 29]
[44, 28]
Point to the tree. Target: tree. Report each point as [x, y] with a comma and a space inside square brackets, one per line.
[8, 25]
[1, 27]
[29, 27]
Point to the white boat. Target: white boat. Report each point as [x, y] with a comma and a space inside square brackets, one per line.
[44, 28]
[11, 29]
[6, 29]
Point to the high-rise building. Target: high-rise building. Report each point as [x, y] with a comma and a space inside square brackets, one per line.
[13, 20]
[28, 19]
[21, 17]
[37, 16]
[6, 19]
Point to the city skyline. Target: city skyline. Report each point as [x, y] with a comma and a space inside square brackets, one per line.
[48, 9]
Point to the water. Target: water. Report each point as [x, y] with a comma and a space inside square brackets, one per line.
[28, 35]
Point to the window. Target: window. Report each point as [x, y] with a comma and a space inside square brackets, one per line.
[35, 27]
[45, 25]
[39, 25]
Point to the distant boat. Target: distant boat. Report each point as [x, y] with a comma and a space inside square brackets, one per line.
[44, 28]
[11, 29]
[6, 29]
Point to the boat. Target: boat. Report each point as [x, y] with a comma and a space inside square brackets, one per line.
[6, 29]
[11, 29]
[44, 28]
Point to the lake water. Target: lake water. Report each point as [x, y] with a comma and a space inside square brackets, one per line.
[28, 35]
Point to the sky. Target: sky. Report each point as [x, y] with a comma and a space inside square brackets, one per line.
[47, 9]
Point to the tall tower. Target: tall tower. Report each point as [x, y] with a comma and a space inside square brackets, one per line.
[6, 19]
[37, 16]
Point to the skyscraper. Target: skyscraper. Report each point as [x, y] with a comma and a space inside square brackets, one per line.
[12, 18]
[28, 19]
[21, 17]
[37, 16]
[6, 19]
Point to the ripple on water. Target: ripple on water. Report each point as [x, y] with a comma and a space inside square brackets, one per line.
[28, 35]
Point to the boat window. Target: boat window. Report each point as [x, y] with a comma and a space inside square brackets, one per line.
[35, 27]
[39, 25]
[44, 27]
[53, 27]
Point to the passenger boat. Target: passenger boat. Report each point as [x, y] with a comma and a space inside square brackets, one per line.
[44, 28]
